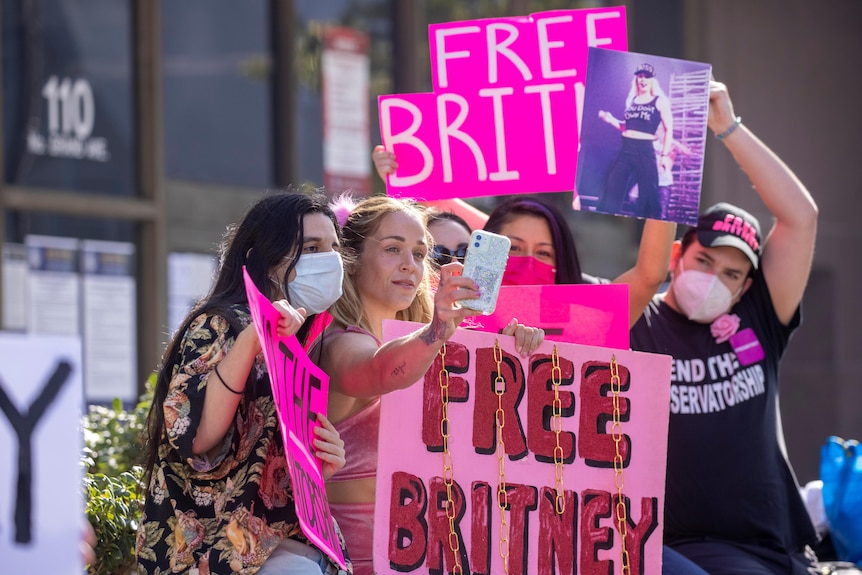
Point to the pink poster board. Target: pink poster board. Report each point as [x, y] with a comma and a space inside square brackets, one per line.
[505, 112]
[412, 529]
[581, 313]
[300, 390]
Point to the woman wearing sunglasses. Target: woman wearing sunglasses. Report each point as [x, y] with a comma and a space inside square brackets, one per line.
[451, 236]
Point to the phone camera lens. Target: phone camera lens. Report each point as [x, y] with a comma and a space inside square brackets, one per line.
[478, 237]
[476, 244]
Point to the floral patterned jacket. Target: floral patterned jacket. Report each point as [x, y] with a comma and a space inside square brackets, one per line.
[222, 513]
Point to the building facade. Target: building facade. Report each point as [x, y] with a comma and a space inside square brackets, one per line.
[134, 131]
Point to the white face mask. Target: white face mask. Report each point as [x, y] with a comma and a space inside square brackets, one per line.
[702, 297]
[317, 284]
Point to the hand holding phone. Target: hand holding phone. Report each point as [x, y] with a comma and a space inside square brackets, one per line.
[485, 263]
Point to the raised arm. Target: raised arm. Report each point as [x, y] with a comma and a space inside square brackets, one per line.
[788, 249]
[359, 368]
[225, 386]
[612, 120]
[651, 267]
[226, 382]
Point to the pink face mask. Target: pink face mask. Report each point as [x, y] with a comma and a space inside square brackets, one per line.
[527, 270]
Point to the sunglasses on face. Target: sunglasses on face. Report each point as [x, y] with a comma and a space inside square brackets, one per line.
[443, 256]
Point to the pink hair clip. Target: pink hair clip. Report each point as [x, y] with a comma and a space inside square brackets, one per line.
[341, 205]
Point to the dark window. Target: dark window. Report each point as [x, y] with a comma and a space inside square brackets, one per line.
[217, 103]
[67, 95]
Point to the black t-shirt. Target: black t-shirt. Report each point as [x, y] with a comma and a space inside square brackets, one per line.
[728, 476]
[588, 279]
[643, 117]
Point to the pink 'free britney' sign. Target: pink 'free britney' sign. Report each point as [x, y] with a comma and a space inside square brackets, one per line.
[505, 112]
[506, 438]
[300, 390]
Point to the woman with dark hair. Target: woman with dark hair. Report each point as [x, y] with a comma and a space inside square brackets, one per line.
[543, 251]
[219, 497]
[451, 236]
[553, 260]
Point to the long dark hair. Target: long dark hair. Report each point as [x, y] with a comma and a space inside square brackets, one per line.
[271, 230]
[567, 264]
[433, 215]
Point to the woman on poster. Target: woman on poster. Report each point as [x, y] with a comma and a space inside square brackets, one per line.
[647, 110]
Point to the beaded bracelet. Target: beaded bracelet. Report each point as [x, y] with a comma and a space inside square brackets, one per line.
[731, 129]
[221, 379]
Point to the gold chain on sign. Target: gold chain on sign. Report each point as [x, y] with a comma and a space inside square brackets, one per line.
[557, 424]
[448, 473]
[502, 494]
[616, 430]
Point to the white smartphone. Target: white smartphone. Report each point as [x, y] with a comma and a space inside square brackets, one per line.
[485, 263]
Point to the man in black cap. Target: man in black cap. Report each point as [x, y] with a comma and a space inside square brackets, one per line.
[732, 503]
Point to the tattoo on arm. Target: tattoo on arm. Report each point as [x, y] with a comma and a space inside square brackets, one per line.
[435, 332]
[399, 369]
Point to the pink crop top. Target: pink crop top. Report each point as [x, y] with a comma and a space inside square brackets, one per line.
[359, 431]
[360, 434]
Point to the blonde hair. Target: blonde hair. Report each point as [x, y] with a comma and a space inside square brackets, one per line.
[655, 89]
[364, 221]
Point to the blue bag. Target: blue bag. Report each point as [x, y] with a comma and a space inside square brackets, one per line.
[841, 473]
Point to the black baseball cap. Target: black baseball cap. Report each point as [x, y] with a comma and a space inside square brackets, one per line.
[727, 225]
[645, 69]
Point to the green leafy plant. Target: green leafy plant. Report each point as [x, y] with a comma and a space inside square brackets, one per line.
[113, 448]
[113, 437]
[114, 510]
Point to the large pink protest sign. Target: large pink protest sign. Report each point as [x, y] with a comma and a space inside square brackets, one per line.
[505, 112]
[580, 313]
[300, 391]
[412, 531]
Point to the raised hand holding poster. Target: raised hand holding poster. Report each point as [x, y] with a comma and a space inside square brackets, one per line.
[523, 465]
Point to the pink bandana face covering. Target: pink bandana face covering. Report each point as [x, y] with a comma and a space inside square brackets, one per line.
[527, 270]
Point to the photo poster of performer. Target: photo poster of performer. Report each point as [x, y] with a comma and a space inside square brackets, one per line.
[643, 135]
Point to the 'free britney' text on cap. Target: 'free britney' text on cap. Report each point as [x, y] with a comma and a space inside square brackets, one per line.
[727, 225]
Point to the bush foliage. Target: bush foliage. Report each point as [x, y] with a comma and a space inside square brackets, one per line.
[113, 449]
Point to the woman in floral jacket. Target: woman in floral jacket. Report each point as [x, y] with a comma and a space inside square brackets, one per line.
[219, 496]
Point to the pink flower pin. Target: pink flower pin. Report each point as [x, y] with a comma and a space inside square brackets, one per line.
[724, 326]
